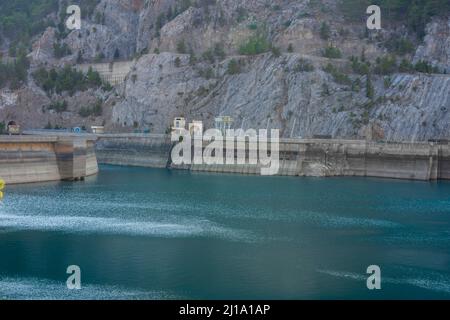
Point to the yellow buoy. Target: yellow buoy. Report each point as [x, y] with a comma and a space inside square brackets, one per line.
[2, 185]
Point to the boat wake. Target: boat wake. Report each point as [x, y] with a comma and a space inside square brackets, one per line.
[125, 226]
[43, 289]
[432, 281]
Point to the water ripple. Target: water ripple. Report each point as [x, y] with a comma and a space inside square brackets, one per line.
[80, 224]
[42, 289]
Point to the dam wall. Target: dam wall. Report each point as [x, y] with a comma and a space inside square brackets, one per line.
[416, 161]
[141, 150]
[298, 157]
[26, 159]
[112, 72]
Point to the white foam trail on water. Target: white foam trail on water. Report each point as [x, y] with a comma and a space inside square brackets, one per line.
[331, 221]
[126, 226]
[309, 217]
[419, 238]
[128, 203]
[42, 289]
[90, 204]
[439, 283]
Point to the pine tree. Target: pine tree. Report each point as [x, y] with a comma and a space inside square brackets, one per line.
[370, 92]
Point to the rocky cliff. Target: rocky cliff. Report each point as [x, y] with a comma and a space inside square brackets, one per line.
[192, 59]
[271, 93]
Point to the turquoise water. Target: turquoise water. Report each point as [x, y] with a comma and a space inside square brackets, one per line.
[141, 233]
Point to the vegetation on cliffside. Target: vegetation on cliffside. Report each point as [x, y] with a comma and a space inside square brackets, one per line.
[416, 13]
[14, 73]
[67, 79]
[22, 19]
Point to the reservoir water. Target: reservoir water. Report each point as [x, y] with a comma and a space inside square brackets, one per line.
[140, 233]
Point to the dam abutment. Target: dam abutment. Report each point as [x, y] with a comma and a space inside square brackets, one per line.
[26, 159]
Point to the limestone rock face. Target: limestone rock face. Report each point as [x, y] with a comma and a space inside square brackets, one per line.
[265, 91]
[416, 108]
[7, 98]
[112, 33]
[43, 47]
[269, 94]
[148, 18]
[29, 107]
[156, 91]
[436, 46]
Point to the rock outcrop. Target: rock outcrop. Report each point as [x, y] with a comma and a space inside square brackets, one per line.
[436, 46]
[269, 93]
[181, 52]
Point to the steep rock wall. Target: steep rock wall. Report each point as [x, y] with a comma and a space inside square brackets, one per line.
[270, 93]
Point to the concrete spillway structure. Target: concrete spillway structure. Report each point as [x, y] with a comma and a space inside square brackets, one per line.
[298, 157]
[25, 159]
[112, 72]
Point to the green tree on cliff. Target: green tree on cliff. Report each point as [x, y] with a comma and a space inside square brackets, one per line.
[416, 13]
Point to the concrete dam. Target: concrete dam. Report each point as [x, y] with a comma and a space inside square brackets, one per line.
[39, 158]
[26, 159]
[298, 157]
[113, 72]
